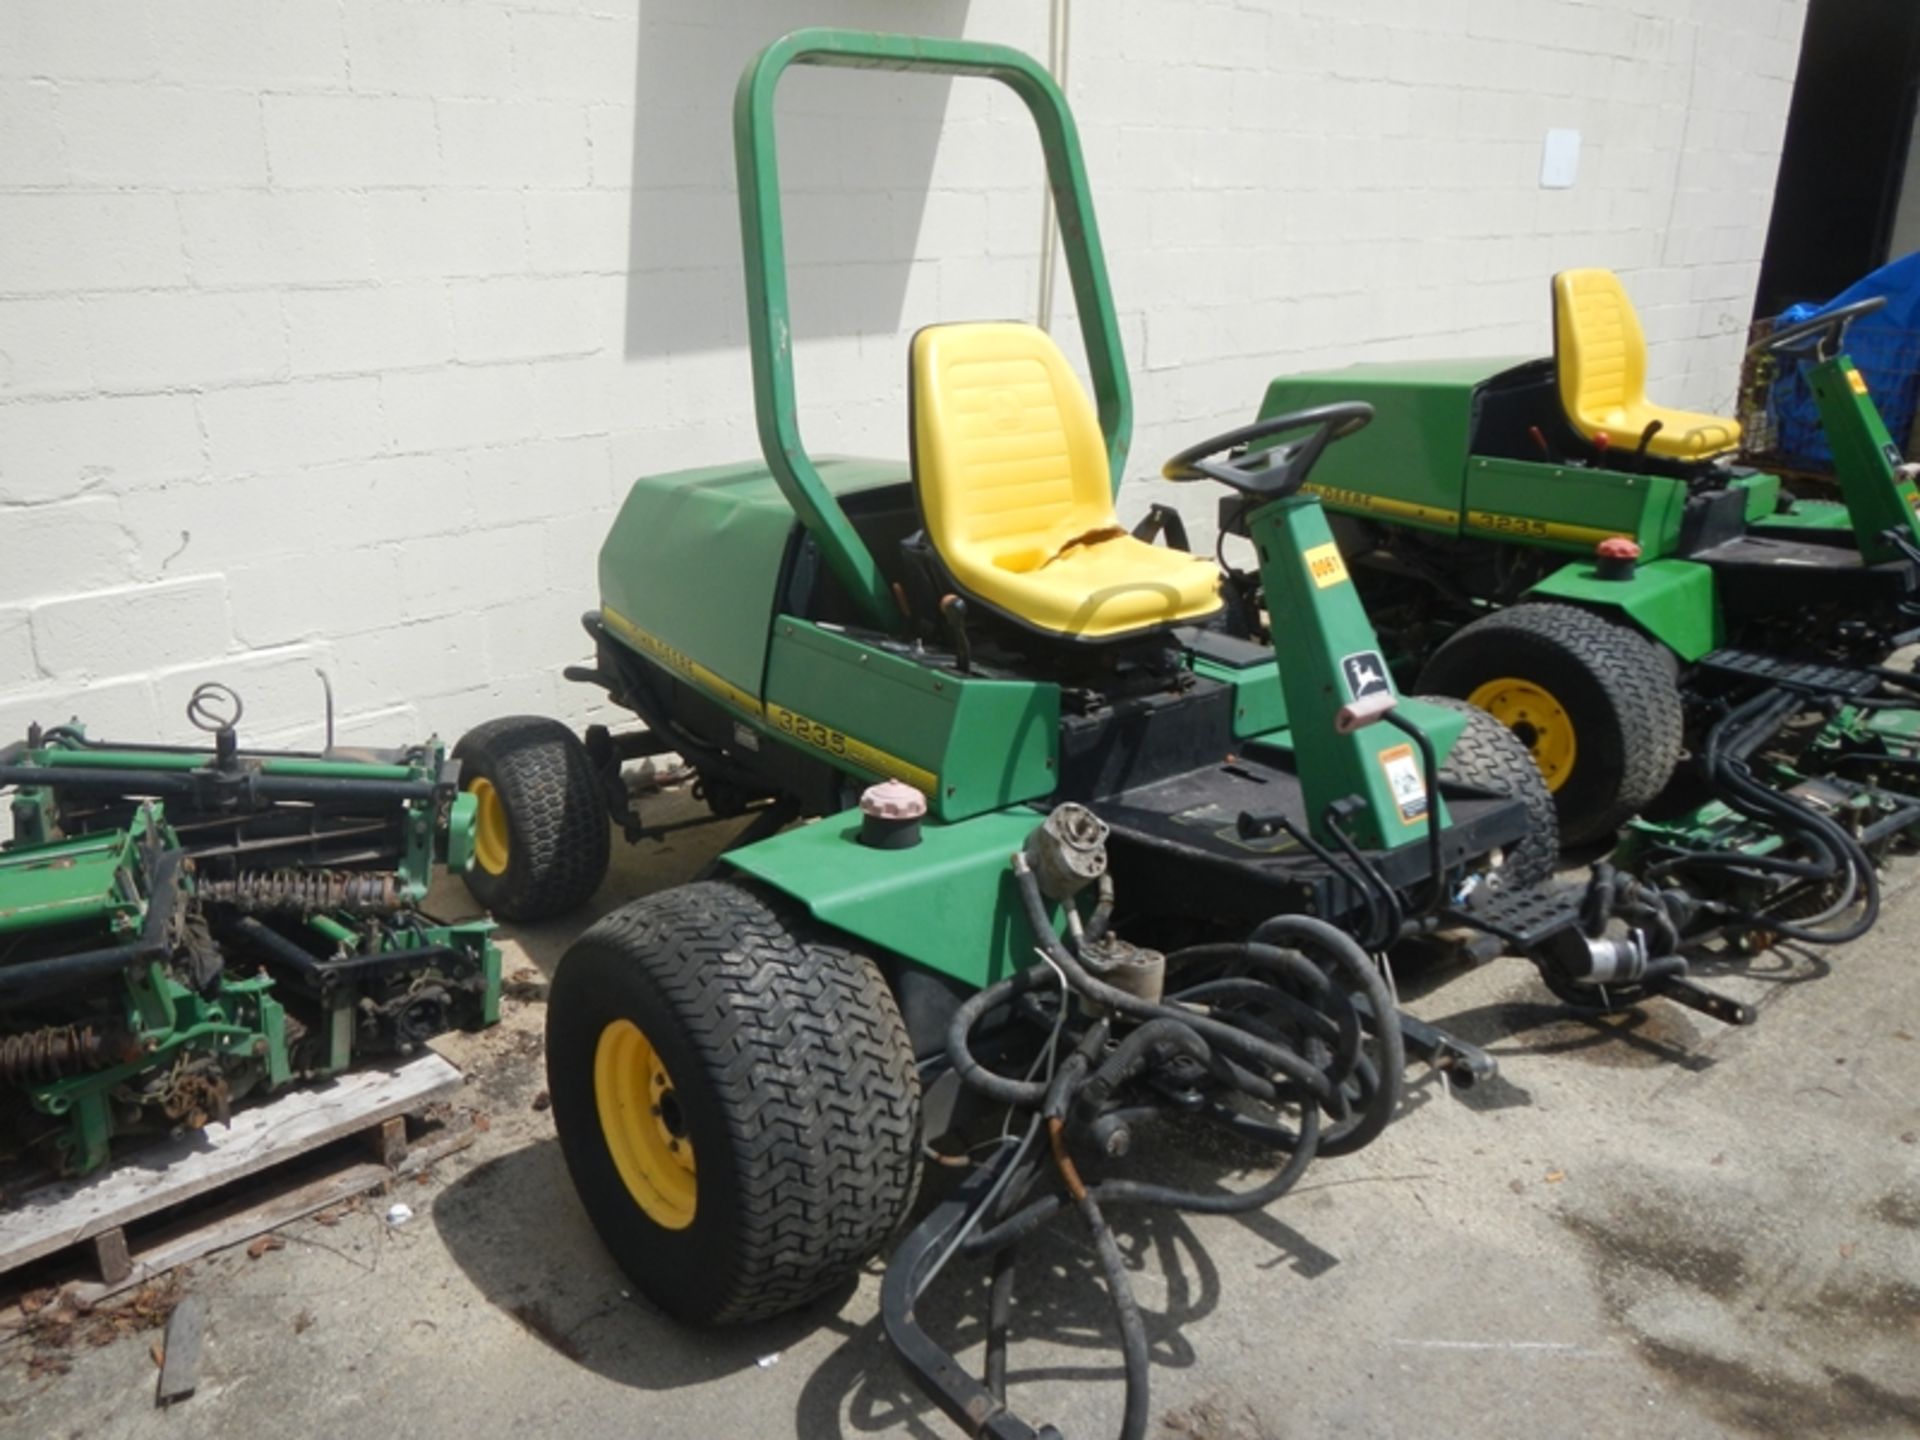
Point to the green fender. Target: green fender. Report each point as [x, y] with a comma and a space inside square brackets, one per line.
[949, 903]
[1671, 601]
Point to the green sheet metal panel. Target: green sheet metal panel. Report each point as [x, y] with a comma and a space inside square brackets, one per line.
[694, 557]
[1807, 515]
[1671, 600]
[1569, 507]
[971, 745]
[1408, 465]
[949, 903]
[69, 882]
[1259, 704]
[1881, 498]
[1762, 492]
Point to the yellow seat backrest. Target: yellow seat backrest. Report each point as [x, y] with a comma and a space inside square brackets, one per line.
[1601, 354]
[1602, 351]
[1007, 448]
[1012, 473]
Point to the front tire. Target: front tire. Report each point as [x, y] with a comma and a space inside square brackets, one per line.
[736, 1098]
[541, 842]
[1491, 757]
[1594, 703]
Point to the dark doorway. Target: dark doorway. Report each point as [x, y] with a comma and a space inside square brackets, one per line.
[1847, 200]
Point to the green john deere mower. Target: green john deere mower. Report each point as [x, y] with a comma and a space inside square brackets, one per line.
[1075, 847]
[1598, 572]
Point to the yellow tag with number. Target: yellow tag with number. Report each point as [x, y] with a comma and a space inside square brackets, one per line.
[1325, 565]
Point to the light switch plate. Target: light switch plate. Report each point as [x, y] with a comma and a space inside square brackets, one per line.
[1560, 160]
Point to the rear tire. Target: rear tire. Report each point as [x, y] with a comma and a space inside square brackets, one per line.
[1594, 703]
[541, 836]
[793, 1087]
[1490, 756]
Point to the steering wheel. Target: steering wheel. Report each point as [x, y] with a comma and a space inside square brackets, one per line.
[1830, 327]
[1279, 471]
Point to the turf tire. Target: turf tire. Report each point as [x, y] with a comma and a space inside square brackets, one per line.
[558, 844]
[1616, 685]
[795, 1079]
[1490, 756]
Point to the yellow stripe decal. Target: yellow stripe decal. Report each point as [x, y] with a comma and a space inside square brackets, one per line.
[1490, 521]
[1380, 505]
[836, 744]
[683, 665]
[1528, 528]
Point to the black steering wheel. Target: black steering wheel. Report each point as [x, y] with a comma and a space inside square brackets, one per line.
[1831, 328]
[1279, 470]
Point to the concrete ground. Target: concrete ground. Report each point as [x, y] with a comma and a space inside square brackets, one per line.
[1648, 1226]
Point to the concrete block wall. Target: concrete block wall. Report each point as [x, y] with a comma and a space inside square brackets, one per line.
[331, 331]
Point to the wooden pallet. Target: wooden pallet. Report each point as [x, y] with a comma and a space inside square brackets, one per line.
[264, 1145]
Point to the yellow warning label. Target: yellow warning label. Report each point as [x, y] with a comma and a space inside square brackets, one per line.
[1857, 381]
[1325, 565]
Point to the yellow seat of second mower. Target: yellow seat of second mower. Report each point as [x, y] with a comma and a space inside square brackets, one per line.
[1011, 470]
[1601, 354]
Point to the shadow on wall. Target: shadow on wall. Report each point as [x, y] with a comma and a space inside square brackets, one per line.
[857, 152]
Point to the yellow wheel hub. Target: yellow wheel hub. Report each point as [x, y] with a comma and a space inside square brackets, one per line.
[644, 1126]
[1541, 722]
[490, 844]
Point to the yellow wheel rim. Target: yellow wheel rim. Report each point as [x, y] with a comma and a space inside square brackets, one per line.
[1541, 722]
[644, 1126]
[490, 844]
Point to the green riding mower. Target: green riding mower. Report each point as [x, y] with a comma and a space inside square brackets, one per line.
[1537, 537]
[1601, 575]
[180, 927]
[1073, 851]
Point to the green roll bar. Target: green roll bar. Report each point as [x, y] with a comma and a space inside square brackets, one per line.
[770, 336]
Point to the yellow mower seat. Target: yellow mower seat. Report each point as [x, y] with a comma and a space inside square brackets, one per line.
[1011, 470]
[1601, 354]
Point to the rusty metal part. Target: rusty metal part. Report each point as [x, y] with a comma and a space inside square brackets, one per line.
[1063, 1161]
[300, 892]
[196, 1094]
[57, 1050]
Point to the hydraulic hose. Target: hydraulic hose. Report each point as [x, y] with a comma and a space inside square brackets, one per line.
[1296, 1017]
[1838, 855]
[1360, 974]
[1088, 986]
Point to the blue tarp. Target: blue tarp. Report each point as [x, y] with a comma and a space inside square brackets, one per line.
[1885, 346]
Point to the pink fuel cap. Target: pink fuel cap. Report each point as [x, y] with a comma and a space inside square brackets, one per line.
[893, 800]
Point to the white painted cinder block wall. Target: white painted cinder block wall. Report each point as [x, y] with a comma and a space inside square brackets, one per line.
[332, 330]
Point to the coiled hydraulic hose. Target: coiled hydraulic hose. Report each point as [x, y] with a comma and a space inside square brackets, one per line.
[1833, 854]
[1273, 1018]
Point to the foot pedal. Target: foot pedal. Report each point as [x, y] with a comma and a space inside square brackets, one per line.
[1523, 918]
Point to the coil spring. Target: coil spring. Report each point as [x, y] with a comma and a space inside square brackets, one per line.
[51, 1052]
[303, 891]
